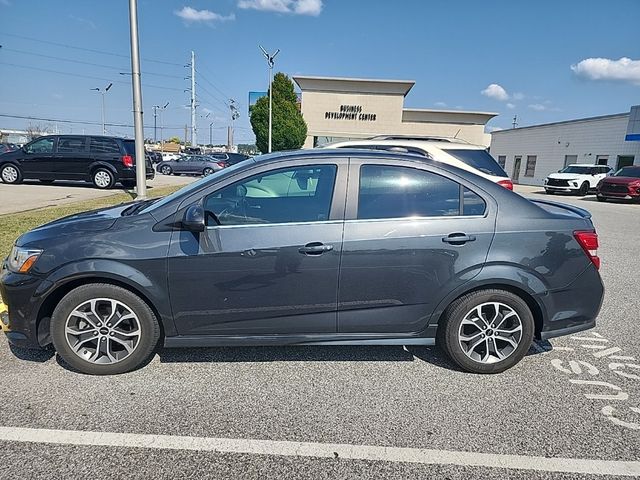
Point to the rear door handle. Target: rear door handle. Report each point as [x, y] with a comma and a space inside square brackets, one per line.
[315, 248]
[458, 238]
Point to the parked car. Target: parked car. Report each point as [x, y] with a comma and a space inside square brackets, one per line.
[578, 178]
[473, 158]
[229, 158]
[102, 160]
[622, 185]
[170, 156]
[7, 147]
[155, 156]
[309, 247]
[190, 165]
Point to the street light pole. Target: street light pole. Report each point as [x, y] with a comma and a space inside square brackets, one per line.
[103, 92]
[270, 60]
[141, 176]
[155, 108]
[211, 134]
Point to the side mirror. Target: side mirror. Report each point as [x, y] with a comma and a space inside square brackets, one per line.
[193, 219]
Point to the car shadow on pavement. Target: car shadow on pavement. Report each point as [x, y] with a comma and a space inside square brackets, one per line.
[32, 355]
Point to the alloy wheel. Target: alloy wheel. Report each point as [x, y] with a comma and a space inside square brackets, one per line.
[103, 331]
[10, 174]
[207, 172]
[166, 170]
[490, 332]
[102, 179]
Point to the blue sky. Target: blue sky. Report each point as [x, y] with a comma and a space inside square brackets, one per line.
[541, 60]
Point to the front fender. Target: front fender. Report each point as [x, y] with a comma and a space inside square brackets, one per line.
[96, 270]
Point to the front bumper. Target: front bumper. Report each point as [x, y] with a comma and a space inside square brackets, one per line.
[561, 189]
[619, 195]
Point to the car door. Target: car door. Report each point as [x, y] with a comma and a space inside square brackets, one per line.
[72, 158]
[183, 164]
[270, 266]
[412, 235]
[38, 160]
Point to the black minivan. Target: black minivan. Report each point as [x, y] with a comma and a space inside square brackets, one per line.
[102, 160]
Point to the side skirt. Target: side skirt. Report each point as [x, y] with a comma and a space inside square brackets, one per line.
[333, 339]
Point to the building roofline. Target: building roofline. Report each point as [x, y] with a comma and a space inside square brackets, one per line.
[563, 122]
[461, 112]
[392, 86]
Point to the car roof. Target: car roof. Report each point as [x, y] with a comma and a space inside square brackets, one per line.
[340, 152]
[586, 165]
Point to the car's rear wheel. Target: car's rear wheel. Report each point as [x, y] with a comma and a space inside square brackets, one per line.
[103, 178]
[207, 171]
[601, 199]
[584, 189]
[487, 331]
[103, 329]
[11, 173]
[128, 183]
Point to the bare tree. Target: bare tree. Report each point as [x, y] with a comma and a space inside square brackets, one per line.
[36, 130]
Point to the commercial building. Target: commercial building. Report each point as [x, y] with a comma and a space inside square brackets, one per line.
[337, 109]
[529, 154]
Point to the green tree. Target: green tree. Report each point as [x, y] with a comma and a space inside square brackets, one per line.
[174, 140]
[289, 129]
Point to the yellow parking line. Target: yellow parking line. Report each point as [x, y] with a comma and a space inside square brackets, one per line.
[4, 317]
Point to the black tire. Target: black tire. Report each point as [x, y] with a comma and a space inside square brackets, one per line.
[549, 192]
[166, 170]
[449, 327]
[144, 349]
[128, 183]
[584, 189]
[47, 181]
[601, 199]
[102, 178]
[207, 171]
[11, 173]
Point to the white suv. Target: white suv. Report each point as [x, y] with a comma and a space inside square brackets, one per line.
[473, 158]
[577, 178]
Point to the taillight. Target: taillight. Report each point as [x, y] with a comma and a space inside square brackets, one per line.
[221, 164]
[127, 160]
[508, 184]
[588, 240]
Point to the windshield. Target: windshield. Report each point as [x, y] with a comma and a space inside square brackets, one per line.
[628, 172]
[478, 159]
[194, 186]
[575, 169]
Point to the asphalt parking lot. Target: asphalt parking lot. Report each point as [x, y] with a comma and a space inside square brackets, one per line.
[570, 409]
[19, 198]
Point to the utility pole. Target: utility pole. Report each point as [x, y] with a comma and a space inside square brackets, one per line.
[234, 116]
[141, 174]
[194, 128]
[515, 121]
[155, 114]
[211, 134]
[185, 135]
[270, 60]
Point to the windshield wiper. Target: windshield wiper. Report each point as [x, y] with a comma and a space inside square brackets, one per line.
[136, 207]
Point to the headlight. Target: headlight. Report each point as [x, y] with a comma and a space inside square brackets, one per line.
[546, 180]
[22, 259]
[575, 184]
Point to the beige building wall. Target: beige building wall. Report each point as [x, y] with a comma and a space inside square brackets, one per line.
[347, 108]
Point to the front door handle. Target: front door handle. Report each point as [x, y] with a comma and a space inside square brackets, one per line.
[315, 248]
[458, 238]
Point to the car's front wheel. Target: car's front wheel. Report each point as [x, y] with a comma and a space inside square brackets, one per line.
[10, 173]
[549, 192]
[103, 329]
[166, 170]
[487, 331]
[584, 189]
[601, 199]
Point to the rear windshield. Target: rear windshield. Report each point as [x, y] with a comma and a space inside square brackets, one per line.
[628, 172]
[478, 159]
[129, 146]
[574, 169]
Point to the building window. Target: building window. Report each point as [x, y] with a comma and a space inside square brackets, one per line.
[570, 160]
[624, 161]
[502, 160]
[602, 160]
[530, 169]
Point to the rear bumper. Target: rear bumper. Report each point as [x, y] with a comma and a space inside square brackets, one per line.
[130, 174]
[573, 308]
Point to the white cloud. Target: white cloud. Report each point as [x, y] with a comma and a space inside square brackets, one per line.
[496, 92]
[440, 104]
[191, 15]
[518, 96]
[623, 70]
[297, 7]
[538, 107]
[511, 106]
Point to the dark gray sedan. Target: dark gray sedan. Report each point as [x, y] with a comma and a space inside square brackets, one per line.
[191, 165]
[331, 247]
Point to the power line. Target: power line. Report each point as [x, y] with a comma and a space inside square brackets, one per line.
[80, 122]
[24, 52]
[224, 95]
[85, 76]
[102, 52]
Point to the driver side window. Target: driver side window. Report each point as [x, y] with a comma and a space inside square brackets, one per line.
[296, 194]
[41, 146]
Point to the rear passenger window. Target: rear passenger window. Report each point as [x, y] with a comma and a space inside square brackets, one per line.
[104, 145]
[400, 192]
[71, 144]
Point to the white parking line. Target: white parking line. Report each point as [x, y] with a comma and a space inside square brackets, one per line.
[320, 450]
